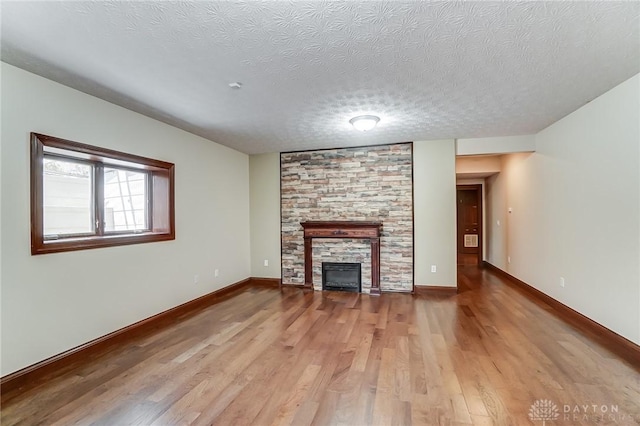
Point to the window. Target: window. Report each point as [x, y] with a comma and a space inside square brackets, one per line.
[86, 197]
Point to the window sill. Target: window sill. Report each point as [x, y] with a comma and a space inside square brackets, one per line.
[84, 243]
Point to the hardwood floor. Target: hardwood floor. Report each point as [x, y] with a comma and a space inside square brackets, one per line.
[261, 357]
[467, 259]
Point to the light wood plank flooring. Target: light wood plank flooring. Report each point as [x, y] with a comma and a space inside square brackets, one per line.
[264, 356]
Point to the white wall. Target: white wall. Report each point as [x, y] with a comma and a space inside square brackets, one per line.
[265, 215]
[576, 211]
[434, 192]
[53, 302]
[477, 165]
[496, 145]
[496, 221]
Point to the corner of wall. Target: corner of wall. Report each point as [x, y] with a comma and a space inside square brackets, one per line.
[264, 194]
[434, 177]
[575, 204]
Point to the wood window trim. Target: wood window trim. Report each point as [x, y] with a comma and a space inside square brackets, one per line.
[161, 185]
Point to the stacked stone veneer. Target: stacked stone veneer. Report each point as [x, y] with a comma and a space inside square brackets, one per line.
[368, 183]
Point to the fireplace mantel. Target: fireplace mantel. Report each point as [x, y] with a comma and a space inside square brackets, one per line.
[343, 229]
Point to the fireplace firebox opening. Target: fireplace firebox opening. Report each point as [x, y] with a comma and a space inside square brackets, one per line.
[342, 277]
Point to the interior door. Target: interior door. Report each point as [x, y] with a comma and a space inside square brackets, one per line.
[469, 215]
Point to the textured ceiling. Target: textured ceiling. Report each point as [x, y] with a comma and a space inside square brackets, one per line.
[429, 69]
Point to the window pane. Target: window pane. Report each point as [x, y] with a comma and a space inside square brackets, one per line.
[68, 204]
[125, 200]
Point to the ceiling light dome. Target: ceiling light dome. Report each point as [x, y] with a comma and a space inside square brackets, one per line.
[364, 122]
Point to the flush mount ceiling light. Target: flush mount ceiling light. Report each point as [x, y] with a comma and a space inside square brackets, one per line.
[364, 122]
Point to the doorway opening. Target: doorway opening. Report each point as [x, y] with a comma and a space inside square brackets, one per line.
[469, 224]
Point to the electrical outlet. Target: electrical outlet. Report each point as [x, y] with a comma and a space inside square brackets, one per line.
[196, 279]
[433, 268]
[216, 272]
[562, 282]
[266, 262]
[508, 259]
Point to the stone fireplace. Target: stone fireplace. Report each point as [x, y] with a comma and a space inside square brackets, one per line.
[349, 230]
[363, 184]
